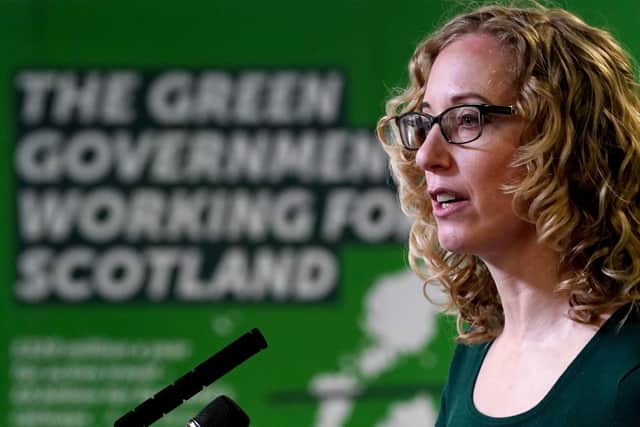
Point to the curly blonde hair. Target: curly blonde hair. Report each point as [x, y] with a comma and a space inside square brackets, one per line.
[580, 148]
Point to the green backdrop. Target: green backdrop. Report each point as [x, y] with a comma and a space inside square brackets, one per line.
[365, 350]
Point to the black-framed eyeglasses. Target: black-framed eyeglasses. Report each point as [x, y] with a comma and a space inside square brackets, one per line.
[459, 125]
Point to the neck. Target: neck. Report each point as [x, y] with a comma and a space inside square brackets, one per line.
[526, 279]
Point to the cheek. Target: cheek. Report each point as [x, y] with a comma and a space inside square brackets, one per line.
[495, 171]
[488, 178]
[488, 195]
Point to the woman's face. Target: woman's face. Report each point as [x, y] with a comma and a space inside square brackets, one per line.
[480, 220]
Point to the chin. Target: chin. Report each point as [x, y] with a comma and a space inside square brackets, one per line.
[452, 243]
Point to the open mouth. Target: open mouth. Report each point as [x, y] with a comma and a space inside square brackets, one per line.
[447, 199]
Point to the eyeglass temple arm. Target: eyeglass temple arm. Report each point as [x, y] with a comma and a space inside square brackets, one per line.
[498, 109]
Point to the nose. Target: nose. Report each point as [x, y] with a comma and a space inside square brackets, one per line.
[433, 155]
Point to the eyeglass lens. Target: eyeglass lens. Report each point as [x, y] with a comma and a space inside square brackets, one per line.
[458, 125]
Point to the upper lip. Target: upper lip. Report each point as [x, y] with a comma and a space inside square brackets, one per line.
[441, 190]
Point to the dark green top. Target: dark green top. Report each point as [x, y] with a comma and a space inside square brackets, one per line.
[600, 388]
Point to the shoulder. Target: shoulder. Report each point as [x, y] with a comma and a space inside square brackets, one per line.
[622, 348]
[618, 350]
[462, 373]
[464, 366]
[627, 404]
[621, 337]
[468, 356]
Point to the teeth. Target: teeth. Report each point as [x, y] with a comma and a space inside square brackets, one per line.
[445, 197]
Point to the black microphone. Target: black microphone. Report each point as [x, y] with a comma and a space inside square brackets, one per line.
[221, 412]
[172, 396]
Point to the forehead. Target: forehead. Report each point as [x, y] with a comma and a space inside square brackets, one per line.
[472, 68]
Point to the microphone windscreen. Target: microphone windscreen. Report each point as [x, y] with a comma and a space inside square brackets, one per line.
[221, 412]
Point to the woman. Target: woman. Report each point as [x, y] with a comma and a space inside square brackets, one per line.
[516, 149]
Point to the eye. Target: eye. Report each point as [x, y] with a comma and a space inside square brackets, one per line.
[468, 119]
[414, 121]
[418, 136]
[413, 130]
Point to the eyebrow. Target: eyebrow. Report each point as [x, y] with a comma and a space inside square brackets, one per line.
[457, 99]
